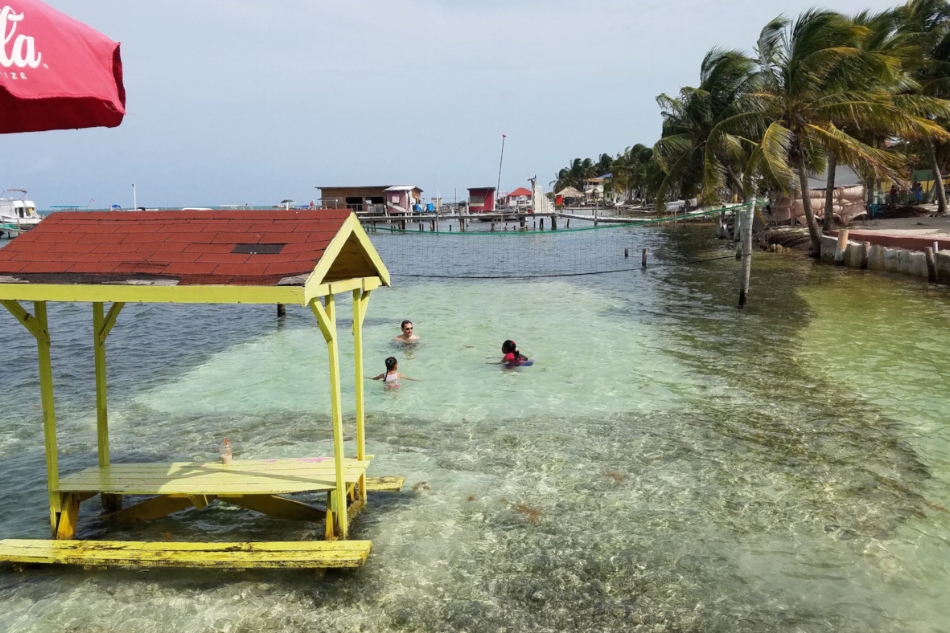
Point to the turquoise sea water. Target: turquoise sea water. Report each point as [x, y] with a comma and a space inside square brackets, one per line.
[668, 464]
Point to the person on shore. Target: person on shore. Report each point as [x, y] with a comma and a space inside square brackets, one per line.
[918, 192]
[391, 376]
[893, 195]
[512, 357]
[407, 337]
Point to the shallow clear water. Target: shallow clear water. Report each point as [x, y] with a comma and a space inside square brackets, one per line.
[669, 462]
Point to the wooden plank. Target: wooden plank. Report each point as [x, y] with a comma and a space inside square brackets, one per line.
[385, 484]
[110, 319]
[26, 319]
[129, 293]
[150, 509]
[258, 477]
[49, 408]
[336, 408]
[68, 517]
[360, 304]
[279, 507]
[99, 354]
[241, 555]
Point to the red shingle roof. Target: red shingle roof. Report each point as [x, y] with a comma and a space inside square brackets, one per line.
[191, 247]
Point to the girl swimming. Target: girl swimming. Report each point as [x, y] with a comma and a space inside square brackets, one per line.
[391, 376]
[512, 357]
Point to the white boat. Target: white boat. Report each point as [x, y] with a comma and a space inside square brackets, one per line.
[17, 213]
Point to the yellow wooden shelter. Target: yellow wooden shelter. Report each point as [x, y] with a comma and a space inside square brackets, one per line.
[306, 258]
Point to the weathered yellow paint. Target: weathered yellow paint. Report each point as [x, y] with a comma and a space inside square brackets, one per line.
[351, 227]
[279, 507]
[200, 501]
[339, 494]
[150, 509]
[272, 477]
[327, 328]
[131, 293]
[99, 352]
[360, 303]
[238, 555]
[68, 516]
[385, 484]
[49, 409]
[25, 318]
[110, 319]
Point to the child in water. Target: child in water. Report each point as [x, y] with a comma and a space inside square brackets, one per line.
[512, 357]
[392, 376]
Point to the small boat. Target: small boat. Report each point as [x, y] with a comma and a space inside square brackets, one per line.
[17, 214]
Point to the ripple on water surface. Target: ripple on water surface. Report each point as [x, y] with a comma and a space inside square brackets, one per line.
[667, 463]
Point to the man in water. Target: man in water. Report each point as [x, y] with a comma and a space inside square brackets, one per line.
[407, 337]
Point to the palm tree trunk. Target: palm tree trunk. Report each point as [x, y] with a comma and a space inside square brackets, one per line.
[809, 213]
[938, 177]
[828, 224]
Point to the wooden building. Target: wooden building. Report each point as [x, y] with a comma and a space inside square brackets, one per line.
[481, 199]
[377, 199]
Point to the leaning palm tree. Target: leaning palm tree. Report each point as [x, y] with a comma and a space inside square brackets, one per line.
[926, 26]
[805, 90]
[725, 78]
[880, 36]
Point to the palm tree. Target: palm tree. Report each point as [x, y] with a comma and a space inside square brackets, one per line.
[813, 77]
[689, 119]
[636, 169]
[880, 37]
[926, 25]
[574, 174]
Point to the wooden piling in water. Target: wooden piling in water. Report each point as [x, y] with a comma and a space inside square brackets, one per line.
[643, 259]
[553, 222]
[841, 247]
[746, 254]
[281, 310]
[931, 265]
[542, 224]
[865, 255]
[626, 253]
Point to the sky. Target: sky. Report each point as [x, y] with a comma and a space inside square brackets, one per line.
[238, 102]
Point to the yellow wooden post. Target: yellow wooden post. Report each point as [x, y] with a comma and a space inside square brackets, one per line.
[327, 320]
[360, 300]
[101, 326]
[99, 351]
[49, 412]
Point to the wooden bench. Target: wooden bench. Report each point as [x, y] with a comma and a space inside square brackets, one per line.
[131, 554]
[243, 477]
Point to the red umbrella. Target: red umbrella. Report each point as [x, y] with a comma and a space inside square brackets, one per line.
[56, 73]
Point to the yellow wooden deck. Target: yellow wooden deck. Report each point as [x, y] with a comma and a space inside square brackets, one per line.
[257, 555]
[243, 477]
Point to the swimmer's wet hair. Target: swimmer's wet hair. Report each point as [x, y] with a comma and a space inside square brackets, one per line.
[403, 324]
[391, 363]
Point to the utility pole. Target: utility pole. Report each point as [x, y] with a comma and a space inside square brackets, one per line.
[134, 202]
[500, 161]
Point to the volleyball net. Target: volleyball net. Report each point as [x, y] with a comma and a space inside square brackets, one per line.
[435, 248]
